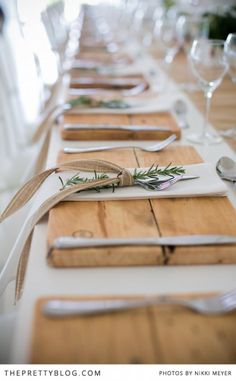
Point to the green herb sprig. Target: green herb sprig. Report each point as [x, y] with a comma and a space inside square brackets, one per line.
[87, 101]
[151, 173]
[155, 170]
[76, 179]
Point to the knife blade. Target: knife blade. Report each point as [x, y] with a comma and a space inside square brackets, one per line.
[84, 126]
[67, 242]
[106, 81]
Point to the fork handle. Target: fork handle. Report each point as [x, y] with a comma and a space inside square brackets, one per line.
[67, 308]
[93, 149]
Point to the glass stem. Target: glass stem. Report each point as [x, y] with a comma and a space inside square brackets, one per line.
[169, 57]
[208, 96]
[189, 71]
[191, 82]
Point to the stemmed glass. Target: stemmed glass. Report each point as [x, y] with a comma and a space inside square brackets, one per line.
[230, 52]
[190, 28]
[165, 29]
[209, 65]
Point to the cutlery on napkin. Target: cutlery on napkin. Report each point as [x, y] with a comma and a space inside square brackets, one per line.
[206, 183]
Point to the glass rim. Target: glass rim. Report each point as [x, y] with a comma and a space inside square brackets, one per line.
[230, 35]
[211, 41]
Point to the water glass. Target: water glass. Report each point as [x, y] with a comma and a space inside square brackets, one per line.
[209, 65]
[190, 28]
[165, 30]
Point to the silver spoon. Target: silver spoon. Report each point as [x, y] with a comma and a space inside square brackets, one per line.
[180, 109]
[226, 168]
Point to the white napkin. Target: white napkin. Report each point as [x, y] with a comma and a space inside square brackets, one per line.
[208, 184]
[142, 104]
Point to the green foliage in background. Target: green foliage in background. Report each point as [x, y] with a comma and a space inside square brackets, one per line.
[168, 3]
[222, 24]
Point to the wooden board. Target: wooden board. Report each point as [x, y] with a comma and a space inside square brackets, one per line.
[151, 335]
[164, 119]
[103, 57]
[147, 218]
[91, 63]
[87, 81]
[107, 86]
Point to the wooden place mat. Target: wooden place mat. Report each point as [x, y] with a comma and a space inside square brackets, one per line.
[164, 119]
[84, 82]
[150, 335]
[142, 218]
[103, 57]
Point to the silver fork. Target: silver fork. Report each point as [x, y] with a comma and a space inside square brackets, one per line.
[150, 148]
[160, 184]
[215, 305]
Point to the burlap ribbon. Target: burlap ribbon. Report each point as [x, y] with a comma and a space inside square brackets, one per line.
[123, 178]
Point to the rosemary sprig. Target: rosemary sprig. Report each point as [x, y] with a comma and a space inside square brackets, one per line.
[85, 100]
[76, 179]
[114, 103]
[151, 173]
[154, 171]
[80, 101]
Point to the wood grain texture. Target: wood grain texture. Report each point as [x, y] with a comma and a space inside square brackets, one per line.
[120, 157]
[160, 119]
[104, 219]
[207, 215]
[135, 218]
[152, 335]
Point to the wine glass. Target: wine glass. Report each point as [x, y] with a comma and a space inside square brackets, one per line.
[165, 29]
[209, 65]
[190, 28]
[230, 52]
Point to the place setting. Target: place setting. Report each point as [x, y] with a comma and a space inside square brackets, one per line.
[135, 326]
[89, 117]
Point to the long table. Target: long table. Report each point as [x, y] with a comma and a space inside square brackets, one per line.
[42, 280]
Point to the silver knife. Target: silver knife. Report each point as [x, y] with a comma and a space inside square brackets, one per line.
[106, 81]
[84, 126]
[68, 242]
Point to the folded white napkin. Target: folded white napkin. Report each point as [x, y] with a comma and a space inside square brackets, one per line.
[149, 101]
[208, 184]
